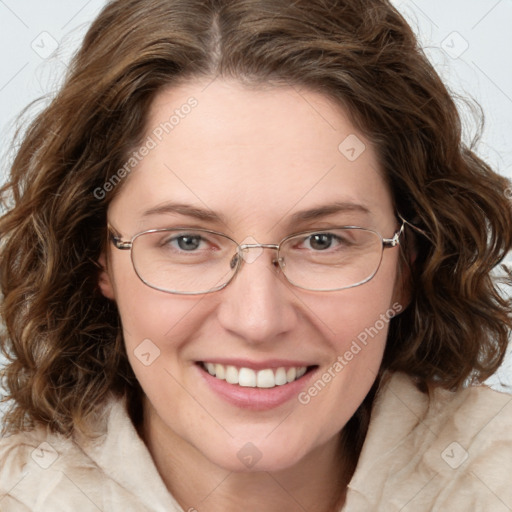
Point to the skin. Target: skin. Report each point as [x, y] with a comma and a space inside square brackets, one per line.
[254, 157]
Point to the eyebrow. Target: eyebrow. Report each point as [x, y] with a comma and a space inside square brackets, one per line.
[204, 214]
[330, 209]
[185, 209]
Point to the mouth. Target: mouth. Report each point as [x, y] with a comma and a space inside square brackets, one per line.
[264, 378]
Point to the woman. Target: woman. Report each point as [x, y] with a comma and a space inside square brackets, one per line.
[247, 265]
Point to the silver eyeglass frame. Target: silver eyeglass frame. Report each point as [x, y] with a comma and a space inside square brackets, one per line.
[127, 245]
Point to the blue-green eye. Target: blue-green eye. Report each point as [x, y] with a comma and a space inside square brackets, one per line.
[321, 241]
[188, 242]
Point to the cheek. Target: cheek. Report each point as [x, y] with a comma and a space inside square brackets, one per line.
[157, 330]
[151, 318]
[354, 324]
[361, 313]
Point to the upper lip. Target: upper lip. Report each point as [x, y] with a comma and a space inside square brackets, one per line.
[257, 365]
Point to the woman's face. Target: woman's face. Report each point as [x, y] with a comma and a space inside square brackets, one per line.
[257, 165]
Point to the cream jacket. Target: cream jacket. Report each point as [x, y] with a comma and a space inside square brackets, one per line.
[455, 455]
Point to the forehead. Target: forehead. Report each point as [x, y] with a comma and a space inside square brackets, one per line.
[251, 155]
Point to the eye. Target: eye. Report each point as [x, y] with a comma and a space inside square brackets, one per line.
[322, 241]
[185, 242]
[188, 243]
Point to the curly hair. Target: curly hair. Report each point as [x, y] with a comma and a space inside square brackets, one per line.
[63, 338]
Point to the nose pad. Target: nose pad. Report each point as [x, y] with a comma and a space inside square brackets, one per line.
[278, 263]
[255, 307]
[250, 250]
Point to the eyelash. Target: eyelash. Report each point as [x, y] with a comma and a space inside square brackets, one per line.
[202, 239]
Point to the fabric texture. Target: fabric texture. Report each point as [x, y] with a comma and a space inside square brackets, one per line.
[454, 454]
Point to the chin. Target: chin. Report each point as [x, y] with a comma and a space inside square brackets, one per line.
[246, 456]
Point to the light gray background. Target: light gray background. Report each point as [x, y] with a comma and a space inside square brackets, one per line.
[469, 41]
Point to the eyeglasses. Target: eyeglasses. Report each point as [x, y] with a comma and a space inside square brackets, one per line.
[194, 261]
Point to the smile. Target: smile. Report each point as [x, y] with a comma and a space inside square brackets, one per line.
[249, 378]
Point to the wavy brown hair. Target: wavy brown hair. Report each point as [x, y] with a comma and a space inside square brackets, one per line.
[63, 338]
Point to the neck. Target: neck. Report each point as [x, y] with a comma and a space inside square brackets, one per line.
[316, 483]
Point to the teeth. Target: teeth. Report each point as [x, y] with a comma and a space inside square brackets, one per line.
[220, 372]
[291, 374]
[231, 375]
[301, 372]
[265, 379]
[247, 377]
[280, 377]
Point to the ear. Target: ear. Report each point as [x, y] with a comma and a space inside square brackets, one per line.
[104, 279]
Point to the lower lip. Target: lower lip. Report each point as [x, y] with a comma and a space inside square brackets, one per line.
[256, 399]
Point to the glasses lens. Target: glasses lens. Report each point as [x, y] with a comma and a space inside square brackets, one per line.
[333, 259]
[199, 261]
[184, 261]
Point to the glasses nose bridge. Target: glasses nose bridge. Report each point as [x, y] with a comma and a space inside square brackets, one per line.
[243, 249]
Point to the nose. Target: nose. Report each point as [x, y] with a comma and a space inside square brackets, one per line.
[258, 305]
